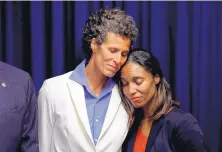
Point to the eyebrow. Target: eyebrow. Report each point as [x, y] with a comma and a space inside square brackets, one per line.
[134, 78]
[117, 49]
[137, 77]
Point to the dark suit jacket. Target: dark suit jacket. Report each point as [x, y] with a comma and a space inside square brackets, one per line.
[178, 131]
[18, 111]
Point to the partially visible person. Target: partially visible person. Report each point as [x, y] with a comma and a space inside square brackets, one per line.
[157, 123]
[18, 111]
[81, 111]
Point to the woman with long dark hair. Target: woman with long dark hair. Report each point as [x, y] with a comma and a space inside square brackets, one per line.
[156, 122]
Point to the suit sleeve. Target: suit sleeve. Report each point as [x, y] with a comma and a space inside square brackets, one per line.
[189, 136]
[46, 119]
[29, 140]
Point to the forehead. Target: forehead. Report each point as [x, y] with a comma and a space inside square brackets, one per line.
[117, 41]
[132, 70]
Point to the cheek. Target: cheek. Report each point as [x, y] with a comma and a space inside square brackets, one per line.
[101, 53]
[123, 60]
[145, 89]
[150, 91]
[125, 91]
[106, 54]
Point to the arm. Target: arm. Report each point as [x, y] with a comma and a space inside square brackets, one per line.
[45, 120]
[189, 136]
[29, 140]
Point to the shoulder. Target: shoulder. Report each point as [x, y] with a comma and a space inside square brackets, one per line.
[178, 116]
[181, 122]
[59, 78]
[55, 85]
[11, 70]
[187, 134]
[14, 76]
[185, 126]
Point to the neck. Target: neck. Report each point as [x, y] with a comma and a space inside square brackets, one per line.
[148, 109]
[147, 112]
[147, 122]
[95, 77]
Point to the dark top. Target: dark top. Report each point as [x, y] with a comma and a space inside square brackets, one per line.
[18, 111]
[177, 131]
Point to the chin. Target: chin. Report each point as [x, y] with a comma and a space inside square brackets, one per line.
[109, 74]
[137, 105]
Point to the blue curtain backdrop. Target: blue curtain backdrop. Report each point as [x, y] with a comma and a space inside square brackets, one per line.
[44, 39]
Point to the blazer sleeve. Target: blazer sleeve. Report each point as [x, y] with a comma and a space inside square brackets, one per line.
[46, 119]
[189, 136]
[29, 142]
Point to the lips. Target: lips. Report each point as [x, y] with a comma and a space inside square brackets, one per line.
[114, 68]
[135, 99]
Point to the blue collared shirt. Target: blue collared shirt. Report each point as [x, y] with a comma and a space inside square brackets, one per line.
[96, 105]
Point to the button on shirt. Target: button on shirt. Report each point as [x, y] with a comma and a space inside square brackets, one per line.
[96, 105]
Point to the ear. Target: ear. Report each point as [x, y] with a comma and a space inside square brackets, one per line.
[156, 79]
[94, 45]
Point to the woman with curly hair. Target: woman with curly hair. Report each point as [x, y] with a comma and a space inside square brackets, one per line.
[81, 111]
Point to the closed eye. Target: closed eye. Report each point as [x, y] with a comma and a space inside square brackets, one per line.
[125, 54]
[138, 81]
[113, 50]
[124, 83]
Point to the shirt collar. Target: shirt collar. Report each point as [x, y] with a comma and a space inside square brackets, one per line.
[79, 76]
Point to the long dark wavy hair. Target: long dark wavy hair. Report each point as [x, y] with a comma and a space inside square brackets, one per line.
[162, 102]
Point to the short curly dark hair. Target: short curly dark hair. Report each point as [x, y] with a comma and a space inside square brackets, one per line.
[107, 20]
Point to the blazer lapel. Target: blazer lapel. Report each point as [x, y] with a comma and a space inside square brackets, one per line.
[131, 142]
[78, 98]
[113, 107]
[153, 133]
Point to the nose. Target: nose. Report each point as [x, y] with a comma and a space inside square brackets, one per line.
[132, 89]
[117, 58]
